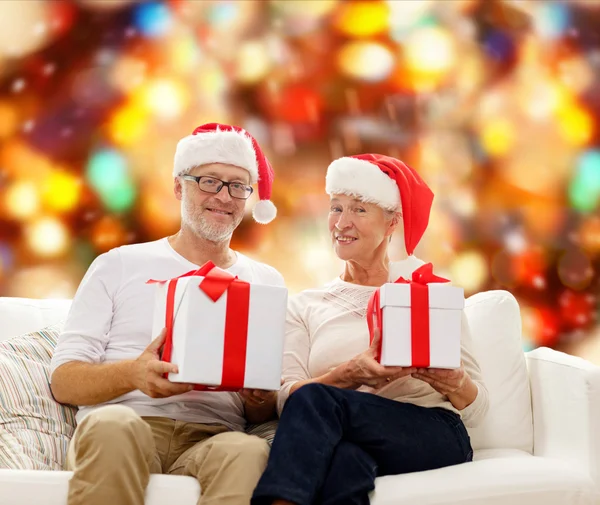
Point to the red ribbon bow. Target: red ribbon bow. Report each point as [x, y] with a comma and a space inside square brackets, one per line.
[216, 282]
[419, 314]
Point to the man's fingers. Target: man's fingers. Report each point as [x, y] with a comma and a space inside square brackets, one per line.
[158, 342]
[162, 367]
[261, 394]
[165, 387]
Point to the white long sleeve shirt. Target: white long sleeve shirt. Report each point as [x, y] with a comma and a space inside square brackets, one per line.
[327, 327]
[111, 320]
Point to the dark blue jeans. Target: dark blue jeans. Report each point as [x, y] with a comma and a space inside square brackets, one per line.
[332, 443]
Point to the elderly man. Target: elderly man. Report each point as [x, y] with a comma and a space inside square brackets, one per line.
[132, 421]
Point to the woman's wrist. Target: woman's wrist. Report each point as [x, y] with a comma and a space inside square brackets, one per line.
[464, 396]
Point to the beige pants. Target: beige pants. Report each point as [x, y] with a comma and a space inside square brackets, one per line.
[114, 451]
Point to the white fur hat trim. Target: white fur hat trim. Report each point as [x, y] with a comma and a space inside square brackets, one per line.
[365, 180]
[228, 147]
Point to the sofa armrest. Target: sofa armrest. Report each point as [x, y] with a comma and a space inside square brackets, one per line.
[565, 394]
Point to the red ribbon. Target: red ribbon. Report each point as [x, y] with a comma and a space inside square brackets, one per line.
[419, 314]
[216, 282]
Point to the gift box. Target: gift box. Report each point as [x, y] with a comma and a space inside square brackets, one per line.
[420, 321]
[224, 334]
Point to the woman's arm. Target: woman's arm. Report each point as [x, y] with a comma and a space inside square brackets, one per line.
[361, 370]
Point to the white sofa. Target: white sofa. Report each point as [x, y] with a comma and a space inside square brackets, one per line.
[540, 443]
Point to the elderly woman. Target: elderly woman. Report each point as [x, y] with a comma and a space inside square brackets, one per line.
[347, 419]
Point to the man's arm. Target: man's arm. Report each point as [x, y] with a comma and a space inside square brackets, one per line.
[79, 383]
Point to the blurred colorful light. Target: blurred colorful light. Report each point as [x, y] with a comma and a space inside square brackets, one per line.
[166, 98]
[430, 50]
[253, 62]
[25, 28]
[497, 136]
[469, 270]
[128, 73]
[575, 124]
[589, 235]
[223, 12]
[47, 237]
[153, 19]
[362, 18]
[6, 258]
[107, 233]
[552, 19]
[108, 174]
[22, 200]
[367, 61]
[184, 53]
[9, 119]
[577, 308]
[575, 269]
[61, 191]
[404, 15]
[128, 124]
[584, 190]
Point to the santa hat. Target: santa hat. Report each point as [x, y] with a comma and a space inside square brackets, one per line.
[387, 182]
[217, 143]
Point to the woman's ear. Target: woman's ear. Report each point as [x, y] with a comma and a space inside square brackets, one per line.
[394, 222]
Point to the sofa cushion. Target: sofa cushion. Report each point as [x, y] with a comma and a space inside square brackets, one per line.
[264, 430]
[26, 487]
[34, 429]
[495, 477]
[24, 315]
[495, 323]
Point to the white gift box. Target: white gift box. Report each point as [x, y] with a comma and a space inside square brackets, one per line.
[199, 334]
[446, 304]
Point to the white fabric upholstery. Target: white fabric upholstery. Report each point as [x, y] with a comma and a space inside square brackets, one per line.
[566, 409]
[496, 477]
[30, 487]
[24, 315]
[566, 414]
[495, 323]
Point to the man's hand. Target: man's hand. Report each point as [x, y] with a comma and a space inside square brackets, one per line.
[148, 370]
[364, 369]
[259, 405]
[258, 396]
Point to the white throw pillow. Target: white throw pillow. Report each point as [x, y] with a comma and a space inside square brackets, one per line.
[495, 323]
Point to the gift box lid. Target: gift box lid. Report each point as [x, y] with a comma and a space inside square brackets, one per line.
[441, 296]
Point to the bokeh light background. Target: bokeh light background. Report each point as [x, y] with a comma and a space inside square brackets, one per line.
[496, 103]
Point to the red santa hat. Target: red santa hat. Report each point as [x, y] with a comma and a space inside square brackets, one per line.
[218, 143]
[387, 182]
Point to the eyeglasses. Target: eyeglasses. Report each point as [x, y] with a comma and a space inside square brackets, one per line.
[213, 185]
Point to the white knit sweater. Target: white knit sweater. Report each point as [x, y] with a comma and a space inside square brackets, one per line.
[327, 327]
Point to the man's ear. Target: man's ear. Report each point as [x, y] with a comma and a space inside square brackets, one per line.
[177, 189]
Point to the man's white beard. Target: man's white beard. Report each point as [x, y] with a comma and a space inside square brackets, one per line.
[195, 219]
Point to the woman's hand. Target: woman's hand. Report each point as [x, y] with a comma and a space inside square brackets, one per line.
[455, 384]
[365, 370]
[443, 381]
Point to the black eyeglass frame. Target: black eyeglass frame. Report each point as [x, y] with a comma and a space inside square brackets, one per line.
[197, 178]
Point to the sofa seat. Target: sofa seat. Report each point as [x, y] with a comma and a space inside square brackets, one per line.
[36, 487]
[495, 477]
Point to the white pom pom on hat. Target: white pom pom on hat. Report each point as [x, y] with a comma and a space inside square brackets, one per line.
[218, 143]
